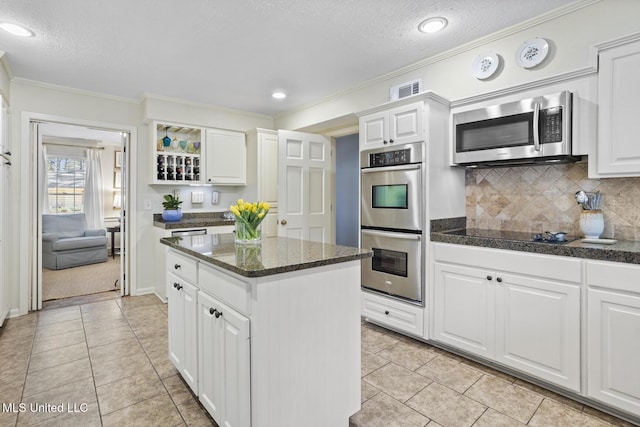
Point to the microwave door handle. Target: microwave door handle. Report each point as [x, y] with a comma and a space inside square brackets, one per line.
[403, 236]
[536, 127]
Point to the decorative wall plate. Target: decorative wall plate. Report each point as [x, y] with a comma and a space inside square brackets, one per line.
[485, 65]
[532, 52]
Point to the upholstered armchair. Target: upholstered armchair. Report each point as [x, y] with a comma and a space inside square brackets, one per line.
[66, 242]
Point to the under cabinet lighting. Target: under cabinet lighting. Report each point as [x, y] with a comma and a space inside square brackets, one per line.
[16, 30]
[433, 25]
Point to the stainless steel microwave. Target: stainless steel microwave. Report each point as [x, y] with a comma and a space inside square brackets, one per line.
[529, 131]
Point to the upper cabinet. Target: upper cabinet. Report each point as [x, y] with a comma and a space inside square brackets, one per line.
[226, 156]
[184, 154]
[399, 125]
[177, 154]
[617, 151]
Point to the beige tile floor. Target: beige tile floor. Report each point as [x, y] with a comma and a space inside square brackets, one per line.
[107, 357]
[408, 383]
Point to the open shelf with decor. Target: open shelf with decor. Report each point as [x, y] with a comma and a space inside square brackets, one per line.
[177, 154]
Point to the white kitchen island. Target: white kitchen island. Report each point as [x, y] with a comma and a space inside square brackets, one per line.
[266, 335]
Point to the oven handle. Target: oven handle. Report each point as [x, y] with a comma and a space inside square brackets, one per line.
[403, 236]
[412, 166]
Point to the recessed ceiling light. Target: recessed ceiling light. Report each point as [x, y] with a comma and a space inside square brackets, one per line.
[279, 95]
[16, 30]
[433, 25]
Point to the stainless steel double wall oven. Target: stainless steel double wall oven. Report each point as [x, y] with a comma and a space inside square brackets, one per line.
[393, 196]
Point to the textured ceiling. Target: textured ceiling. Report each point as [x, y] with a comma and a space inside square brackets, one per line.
[234, 53]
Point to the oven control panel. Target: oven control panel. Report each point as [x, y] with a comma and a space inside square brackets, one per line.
[390, 158]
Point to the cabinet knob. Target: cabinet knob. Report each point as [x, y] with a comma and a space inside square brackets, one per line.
[179, 286]
[283, 221]
[390, 141]
[384, 141]
[386, 312]
[217, 313]
[175, 285]
[489, 278]
[499, 280]
[177, 266]
[212, 310]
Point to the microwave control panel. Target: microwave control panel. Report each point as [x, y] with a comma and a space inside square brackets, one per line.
[390, 158]
[551, 124]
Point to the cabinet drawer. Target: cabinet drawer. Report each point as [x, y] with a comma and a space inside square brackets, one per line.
[182, 266]
[227, 289]
[395, 314]
[542, 266]
[614, 275]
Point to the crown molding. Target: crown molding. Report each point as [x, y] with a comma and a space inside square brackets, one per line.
[151, 96]
[35, 83]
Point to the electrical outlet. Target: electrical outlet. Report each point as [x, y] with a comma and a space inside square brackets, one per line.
[147, 205]
[214, 197]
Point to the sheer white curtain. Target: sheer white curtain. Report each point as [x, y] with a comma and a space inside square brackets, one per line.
[44, 182]
[93, 191]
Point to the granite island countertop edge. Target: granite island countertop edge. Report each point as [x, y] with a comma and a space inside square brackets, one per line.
[255, 273]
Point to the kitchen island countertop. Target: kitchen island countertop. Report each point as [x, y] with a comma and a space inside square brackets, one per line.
[274, 255]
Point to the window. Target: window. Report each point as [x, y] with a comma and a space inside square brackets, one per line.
[65, 184]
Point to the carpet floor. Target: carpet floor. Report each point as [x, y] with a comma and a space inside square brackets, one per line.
[83, 280]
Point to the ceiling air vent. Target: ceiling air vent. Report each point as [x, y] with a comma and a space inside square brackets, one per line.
[405, 89]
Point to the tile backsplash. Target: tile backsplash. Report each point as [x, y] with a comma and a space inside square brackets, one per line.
[541, 198]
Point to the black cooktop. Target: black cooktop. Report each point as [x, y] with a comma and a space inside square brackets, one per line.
[509, 235]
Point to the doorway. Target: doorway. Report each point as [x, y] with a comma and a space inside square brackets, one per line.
[81, 184]
[347, 190]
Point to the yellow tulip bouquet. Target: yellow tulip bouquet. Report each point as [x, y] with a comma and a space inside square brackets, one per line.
[248, 218]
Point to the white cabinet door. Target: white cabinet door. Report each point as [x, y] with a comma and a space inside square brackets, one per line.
[374, 130]
[399, 125]
[224, 356]
[226, 154]
[613, 349]
[463, 308]
[618, 144]
[268, 180]
[405, 124]
[538, 328]
[183, 335]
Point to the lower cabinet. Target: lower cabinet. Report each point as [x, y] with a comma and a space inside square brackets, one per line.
[613, 335]
[224, 355]
[395, 314]
[183, 335]
[528, 323]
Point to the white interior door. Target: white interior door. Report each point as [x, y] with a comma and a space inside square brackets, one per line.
[304, 192]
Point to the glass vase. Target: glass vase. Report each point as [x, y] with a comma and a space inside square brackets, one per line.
[592, 223]
[248, 235]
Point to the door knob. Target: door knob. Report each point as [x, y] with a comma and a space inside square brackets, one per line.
[283, 221]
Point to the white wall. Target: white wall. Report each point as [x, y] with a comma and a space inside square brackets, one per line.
[29, 98]
[449, 74]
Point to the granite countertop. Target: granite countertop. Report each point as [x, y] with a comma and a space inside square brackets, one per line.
[274, 255]
[623, 251]
[193, 220]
